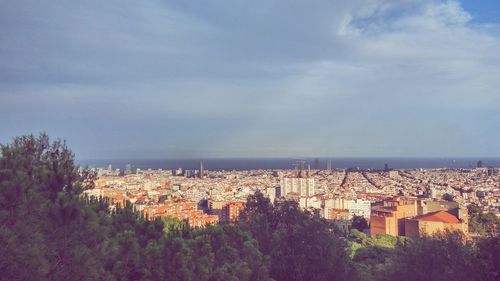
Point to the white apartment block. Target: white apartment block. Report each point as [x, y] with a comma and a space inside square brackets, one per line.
[359, 207]
[356, 207]
[304, 187]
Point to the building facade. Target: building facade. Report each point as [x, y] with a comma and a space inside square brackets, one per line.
[304, 187]
[389, 218]
[433, 222]
[182, 210]
[231, 211]
[355, 207]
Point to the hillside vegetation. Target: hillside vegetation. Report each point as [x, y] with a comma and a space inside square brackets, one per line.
[48, 231]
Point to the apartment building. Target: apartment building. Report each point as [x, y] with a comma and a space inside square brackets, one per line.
[388, 217]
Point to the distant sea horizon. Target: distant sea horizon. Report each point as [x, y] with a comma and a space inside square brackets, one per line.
[373, 163]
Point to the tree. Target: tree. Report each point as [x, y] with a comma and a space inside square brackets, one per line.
[448, 197]
[258, 217]
[444, 256]
[174, 226]
[482, 223]
[300, 246]
[359, 223]
[49, 231]
[488, 258]
[41, 210]
[371, 255]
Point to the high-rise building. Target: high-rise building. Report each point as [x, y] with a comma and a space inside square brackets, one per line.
[328, 165]
[271, 193]
[316, 164]
[480, 164]
[386, 167]
[302, 164]
[128, 169]
[201, 170]
[303, 187]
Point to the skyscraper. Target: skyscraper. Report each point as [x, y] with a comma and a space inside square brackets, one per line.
[316, 164]
[128, 169]
[302, 164]
[300, 186]
[328, 165]
[201, 170]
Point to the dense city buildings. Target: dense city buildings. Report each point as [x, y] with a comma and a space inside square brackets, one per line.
[395, 202]
[182, 210]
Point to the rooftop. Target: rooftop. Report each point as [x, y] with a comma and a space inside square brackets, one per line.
[438, 216]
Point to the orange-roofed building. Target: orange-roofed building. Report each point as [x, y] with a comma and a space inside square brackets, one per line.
[231, 211]
[182, 210]
[337, 214]
[433, 222]
[200, 219]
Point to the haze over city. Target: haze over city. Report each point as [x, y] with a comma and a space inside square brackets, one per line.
[267, 140]
[174, 79]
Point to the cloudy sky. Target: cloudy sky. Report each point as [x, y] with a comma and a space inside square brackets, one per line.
[173, 79]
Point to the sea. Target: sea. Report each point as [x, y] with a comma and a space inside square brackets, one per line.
[229, 164]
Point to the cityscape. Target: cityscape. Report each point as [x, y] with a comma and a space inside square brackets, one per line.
[386, 198]
[264, 140]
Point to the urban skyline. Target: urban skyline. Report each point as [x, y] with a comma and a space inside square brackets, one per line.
[265, 140]
[291, 163]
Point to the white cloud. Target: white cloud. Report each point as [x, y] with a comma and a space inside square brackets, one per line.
[335, 77]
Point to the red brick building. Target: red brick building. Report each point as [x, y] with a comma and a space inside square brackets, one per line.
[182, 210]
[433, 222]
[389, 218]
[231, 211]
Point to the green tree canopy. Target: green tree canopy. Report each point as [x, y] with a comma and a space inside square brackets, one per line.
[50, 231]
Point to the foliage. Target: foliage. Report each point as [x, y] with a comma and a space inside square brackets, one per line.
[482, 223]
[359, 223]
[448, 256]
[300, 245]
[488, 258]
[371, 255]
[49, 231]
[175, 226]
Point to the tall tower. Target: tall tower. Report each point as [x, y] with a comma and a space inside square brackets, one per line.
[328, 165]
[201, 170]
[316, 164]
[128, 169]
[302, 164]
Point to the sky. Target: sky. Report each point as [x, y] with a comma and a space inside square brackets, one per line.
[127, 79]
